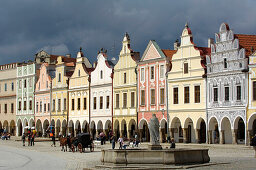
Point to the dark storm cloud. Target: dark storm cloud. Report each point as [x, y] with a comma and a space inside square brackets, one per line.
[62, 26]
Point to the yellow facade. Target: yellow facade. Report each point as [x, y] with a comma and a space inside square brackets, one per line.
[187, 115]
[125, 117]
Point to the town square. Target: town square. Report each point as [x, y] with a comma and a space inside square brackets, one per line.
[128, 85]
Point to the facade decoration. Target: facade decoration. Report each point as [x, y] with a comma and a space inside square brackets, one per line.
[101, 95]
[186, 90]
[8, 74]
[79, 95]
[227, 84]
[152, 70]
[125, 91]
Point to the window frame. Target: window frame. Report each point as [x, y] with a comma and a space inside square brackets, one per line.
[176, 95]
[197, 93]
[152, 97]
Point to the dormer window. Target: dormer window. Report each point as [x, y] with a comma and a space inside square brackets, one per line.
[225, 63]
[101, 74]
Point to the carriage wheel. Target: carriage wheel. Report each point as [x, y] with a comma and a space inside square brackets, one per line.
[80, 147]
[73, 148]
[92, 147]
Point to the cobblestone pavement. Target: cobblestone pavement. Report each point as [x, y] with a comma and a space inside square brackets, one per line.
[43, 156]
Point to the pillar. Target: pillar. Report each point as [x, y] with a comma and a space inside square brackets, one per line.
[160, 135]
[197, 135]
[172, 132]
[249, 136]
[140, 134]
[210, 137]
[222, 137]
[184, 135]
[234, 136]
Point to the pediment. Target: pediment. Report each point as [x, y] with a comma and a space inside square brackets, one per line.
[152, 51]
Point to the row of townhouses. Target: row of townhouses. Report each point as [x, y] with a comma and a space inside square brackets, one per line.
[199, 94]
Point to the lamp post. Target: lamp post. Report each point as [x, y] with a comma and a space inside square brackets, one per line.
[168, 134]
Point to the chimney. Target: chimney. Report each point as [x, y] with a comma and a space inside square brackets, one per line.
[176, 45]
[210, 41]
[68, 55]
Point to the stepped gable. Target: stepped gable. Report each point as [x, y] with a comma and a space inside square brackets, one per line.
[247, 42]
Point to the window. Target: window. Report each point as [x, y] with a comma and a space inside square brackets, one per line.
[101, 102]
[25, 83]
[107, 103]
[254, 90]
[162, 96]
[186, 94]
[5, 108]
[5, 87]
[117, 100]
[53, 105]
[59, 77]
[152, 71]
[46, 84]
[44, 107]
[30, 82]
[94, 103]
[132, 99]
[197, 94]
[25, 105]
[12, 108]
[226, 93]
[78, 103]
[65, 104]
[124, 100]
[238, 92]
[225, 63]
[152, 92]
[30, 104]
[142, 99]
[175, 95]
[85, 103]
[48, 107]
[78, 73]
[73, 104]
[101, 74]
[20, 84]
[142, 75]
[59, 104]
[124, 78]
[215, 94]
[185, 68]
[19, 105]
[12, 86]
[41, 106]
[37, 106]
[161, 71]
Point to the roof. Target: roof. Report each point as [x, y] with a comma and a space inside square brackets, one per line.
[247, 42]
[169, 53]
[204, 51]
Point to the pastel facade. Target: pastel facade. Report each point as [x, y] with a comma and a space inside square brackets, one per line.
[43, 89]
[101, 95]
[186, 91]
[79, 96]
[59, 115]
[8, 74]
[125, 91]
[152, 89]
[227, 84]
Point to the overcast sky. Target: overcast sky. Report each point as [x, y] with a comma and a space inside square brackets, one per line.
[62, 26]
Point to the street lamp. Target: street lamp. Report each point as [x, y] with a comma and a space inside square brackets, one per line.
[168, 134]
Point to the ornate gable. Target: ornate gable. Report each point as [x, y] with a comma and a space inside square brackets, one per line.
[152, 51]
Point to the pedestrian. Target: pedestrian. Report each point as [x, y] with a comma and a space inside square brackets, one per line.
[32, 140]
[121, 141]
[29, 138]
[23, 139]
[172, 143]
[53, 139]
[253, 143]
[113, 141]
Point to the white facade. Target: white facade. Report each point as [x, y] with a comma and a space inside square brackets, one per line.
[227, 82]
[101, 92]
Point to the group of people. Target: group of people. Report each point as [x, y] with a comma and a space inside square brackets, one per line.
[31, 138]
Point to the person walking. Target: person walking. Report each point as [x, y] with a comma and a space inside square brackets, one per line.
[121, 141]
[113, 141]
[23, 139]
[254, 144]
[53, 139]
[172, 143]
[32, 140]
[29, 139]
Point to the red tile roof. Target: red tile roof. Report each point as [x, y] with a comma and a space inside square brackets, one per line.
[169, 53]
[246, 42]
[205, 50]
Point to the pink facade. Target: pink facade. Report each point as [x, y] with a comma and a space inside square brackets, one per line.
[152, 89]
[43, 97]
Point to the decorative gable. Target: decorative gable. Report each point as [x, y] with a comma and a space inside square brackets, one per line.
[152, 51]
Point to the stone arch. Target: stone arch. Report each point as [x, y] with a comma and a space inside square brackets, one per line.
[64, 127]
[19, 127]
[117, 128]
[71, 129]
[12, 127]
[78, 127]
[163, 130]
[46, 124]
[93, 129]
[0, 125]
[214, 133]
[53, 122]
[25, 122]
[108, 125]
[100, 126]
[132, 128]
[252, 125]
[57, 127]
[85, 127]
[189, 131]
[31, 122]
[176, 130]
[39, 128]
[226, 134]
[6, 126]
[201, 130]
[239, 130]
[144, 131]
[124, 128]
